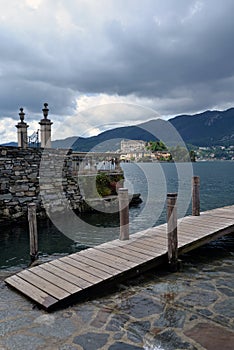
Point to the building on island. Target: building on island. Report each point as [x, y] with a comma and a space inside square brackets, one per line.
[133, 150]
[128, 146]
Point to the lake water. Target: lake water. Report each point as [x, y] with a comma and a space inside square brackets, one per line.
[70, 233]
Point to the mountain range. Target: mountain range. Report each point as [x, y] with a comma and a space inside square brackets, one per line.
[210, 128]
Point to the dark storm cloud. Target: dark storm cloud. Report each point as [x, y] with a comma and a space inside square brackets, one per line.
[180, 51]
[152, 60]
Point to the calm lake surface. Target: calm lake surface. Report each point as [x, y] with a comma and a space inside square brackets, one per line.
[70, 233]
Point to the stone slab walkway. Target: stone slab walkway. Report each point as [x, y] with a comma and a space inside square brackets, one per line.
[191, 309]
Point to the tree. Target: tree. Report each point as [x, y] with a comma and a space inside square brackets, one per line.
[155, 146]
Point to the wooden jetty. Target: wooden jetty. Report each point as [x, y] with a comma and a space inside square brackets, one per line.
[69, 279]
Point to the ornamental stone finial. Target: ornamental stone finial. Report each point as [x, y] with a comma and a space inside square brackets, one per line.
[45, 110]
[22, 114]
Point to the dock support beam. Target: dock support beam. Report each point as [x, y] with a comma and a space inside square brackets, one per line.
[32, 221]
[172, 231]
[196, 196]
[124, 213]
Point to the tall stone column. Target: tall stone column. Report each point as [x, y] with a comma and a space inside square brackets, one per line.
[45, 128]
[22, 131]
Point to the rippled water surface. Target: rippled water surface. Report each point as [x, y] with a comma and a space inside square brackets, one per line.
[153, 181]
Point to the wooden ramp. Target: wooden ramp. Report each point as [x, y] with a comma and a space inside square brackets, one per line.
[71, 278]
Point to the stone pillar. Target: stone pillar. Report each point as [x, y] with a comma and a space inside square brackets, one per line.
[45, 128]
[22, 131]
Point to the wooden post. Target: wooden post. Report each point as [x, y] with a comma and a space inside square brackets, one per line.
[196, 196]
[124, 213]
[172, 231]
[32, 221]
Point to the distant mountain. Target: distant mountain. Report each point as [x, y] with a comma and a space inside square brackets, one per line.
[210, 128]
[110, 140]
[66, 143]
[10, 144]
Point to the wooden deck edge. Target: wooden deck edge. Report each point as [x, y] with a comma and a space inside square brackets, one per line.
[101, 288]
[205, 239]
[110, 285]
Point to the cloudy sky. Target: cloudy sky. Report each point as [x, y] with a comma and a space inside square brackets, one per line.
[103, 63]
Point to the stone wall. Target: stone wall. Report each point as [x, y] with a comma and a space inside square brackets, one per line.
[45, 177]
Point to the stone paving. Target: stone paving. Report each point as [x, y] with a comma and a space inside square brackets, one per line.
[191, 309]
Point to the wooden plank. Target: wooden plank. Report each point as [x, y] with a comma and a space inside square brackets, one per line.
[113, 260]
[221, 212]
[95, 263]
[31, 291]
[81, 273]
[57, 281]
[121, 252]
[91, 270]
[118, 261]
[184, 236]
[73, 271]
[196, 231]
[137, 251]
[208, 220]
[44, 285]
[147, 245]
[155, 244]
[63, 274]
[131, 247]
[203, 240]
[190, 226]
[161, 241]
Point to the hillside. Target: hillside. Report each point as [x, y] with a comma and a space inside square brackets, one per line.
[209, 128]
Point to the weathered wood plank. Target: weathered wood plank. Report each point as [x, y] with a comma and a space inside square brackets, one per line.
[85, 275]
[89, 269]
[147, 245]
[132, 248]
[42, 284]
[94, 262]
[31, 291]
[113, 260]
[155, 244]
[67, 276]
[57, 281]
[80, 282]
[121, 252]
[73, 265]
